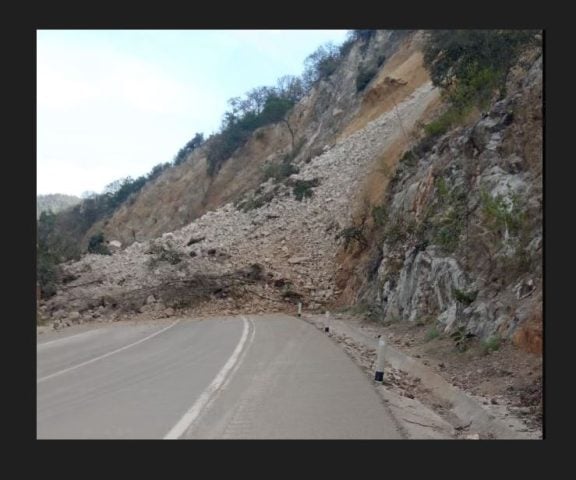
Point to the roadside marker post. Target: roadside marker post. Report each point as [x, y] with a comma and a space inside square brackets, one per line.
[379, 377]
[327, 327]
[299, 309]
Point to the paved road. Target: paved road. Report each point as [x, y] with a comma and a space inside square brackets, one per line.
[246, 377]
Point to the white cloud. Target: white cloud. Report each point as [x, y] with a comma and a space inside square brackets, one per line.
[93, 77]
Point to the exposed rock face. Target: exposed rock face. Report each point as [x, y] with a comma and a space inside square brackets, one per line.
[425, 284]
[468, 214]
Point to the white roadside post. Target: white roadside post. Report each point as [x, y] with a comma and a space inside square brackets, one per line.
[379, 377]
[299, 309]
[327, 326]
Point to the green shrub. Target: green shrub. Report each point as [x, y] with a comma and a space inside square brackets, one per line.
[350, 234]
[364, 77]
[303, 188]
[448, 236]
[463, 297]
[423, 146]
[399, 230]
[279, 172]
[461, 339]
[379, 215]
[409, 158]
[443, 123]
[164, 254]
[448, 224]
[47, 273]
[431, 334]
[257, 201]
[442, 189]
[96, 245]
[500, 215]
[491, 344]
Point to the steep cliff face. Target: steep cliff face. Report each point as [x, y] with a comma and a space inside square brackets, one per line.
[462, 242]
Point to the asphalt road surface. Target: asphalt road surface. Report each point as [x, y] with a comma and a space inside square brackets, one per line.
[244, 377]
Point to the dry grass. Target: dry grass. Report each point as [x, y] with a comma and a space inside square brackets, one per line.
[159, 207]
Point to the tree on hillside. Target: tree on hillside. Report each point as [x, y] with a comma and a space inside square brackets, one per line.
[363, 35]
[193, 144]
[47, 271]
[290, 87]
[321, 64]
[276, 110]
[157, 170]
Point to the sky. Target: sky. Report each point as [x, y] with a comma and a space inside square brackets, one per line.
[115, 103]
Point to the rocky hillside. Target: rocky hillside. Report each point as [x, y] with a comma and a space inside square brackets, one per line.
[54, 202]
[186, 192]
[461, 248]
[361, 206]
[170, 198]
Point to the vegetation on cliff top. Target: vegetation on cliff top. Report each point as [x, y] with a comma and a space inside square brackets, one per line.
[471, 67]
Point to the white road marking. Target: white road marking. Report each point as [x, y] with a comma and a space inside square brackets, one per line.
[230, 376]
[92, 360]
[64, 339]
[208, 395]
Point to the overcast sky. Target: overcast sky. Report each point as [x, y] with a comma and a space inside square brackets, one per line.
[114, 103]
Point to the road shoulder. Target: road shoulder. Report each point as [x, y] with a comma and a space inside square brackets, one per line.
[425, 403]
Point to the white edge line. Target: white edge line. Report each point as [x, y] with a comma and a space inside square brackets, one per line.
[230, 376]
[106, 354]
[195, 410]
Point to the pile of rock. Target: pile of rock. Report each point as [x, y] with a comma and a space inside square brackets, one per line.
[294, 241]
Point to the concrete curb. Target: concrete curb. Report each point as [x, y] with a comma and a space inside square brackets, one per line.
[467, 410]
